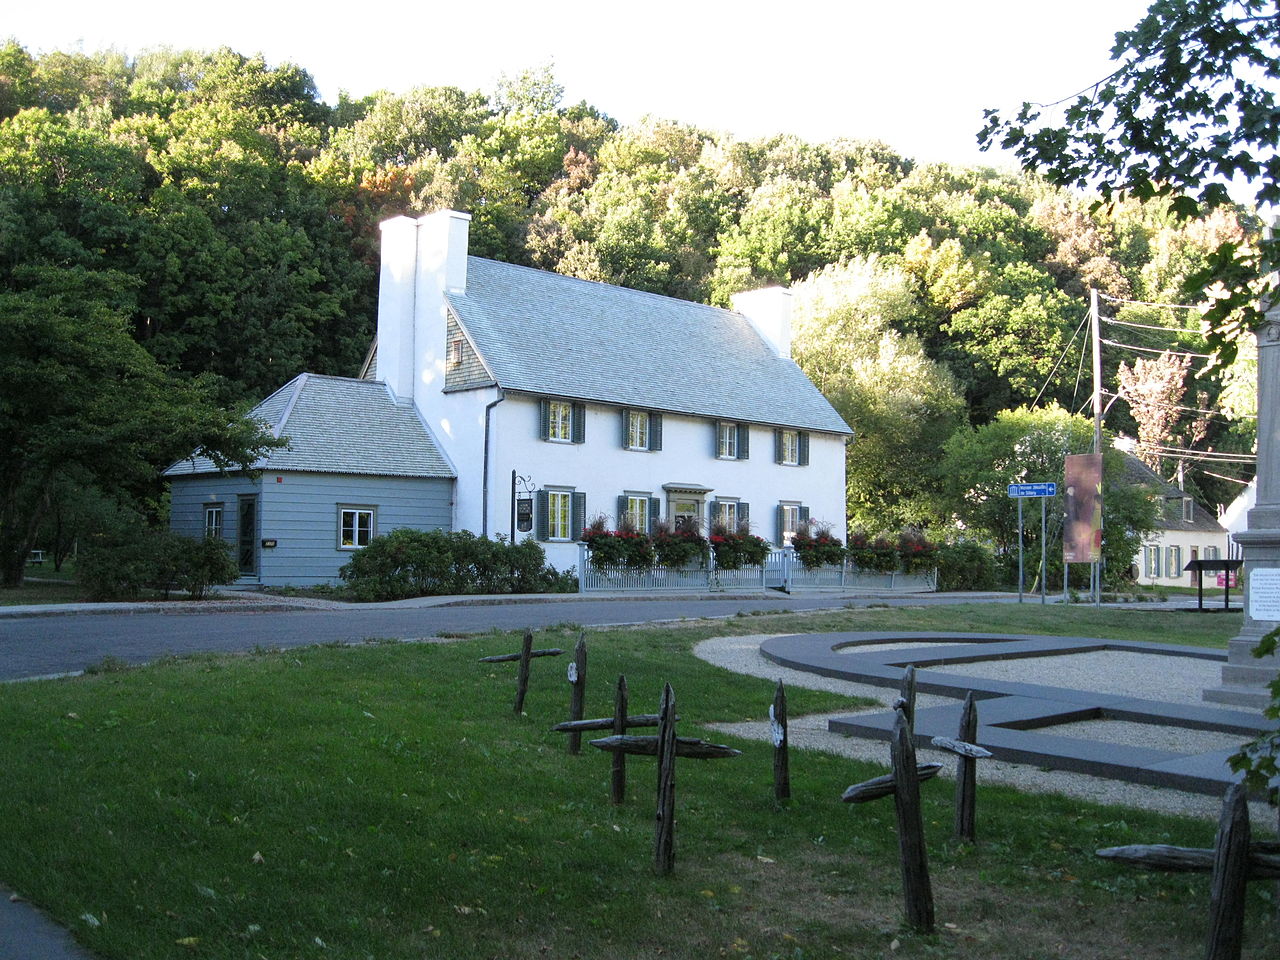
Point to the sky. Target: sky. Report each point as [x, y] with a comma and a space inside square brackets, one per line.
[914, 75]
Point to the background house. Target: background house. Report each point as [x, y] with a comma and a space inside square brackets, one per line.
[550, 400]
[1185, 531]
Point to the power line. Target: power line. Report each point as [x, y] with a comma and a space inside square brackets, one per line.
[1173, 406]
[1174, 353]
[1147, 303]
[1183, 453]
[1061, 356]
[1219, 476]
[1149, 326]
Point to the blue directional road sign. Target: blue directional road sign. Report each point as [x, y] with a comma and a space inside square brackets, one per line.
[1033, 490]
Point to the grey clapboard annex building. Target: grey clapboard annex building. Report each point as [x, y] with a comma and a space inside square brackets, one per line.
[357, 461]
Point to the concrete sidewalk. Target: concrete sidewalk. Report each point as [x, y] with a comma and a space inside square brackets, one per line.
[27, 934]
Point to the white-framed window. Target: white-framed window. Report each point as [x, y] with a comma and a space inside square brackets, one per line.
[1173, 570]
[637, 430]
[727, 514]
[788, 521]
[637, 512]
[1152, 561]
[355, 527]
[1212, 553]
[1188, 509]
[559, 514]
[213, 520]
[727, 441]
[559, 420]
[791, 447]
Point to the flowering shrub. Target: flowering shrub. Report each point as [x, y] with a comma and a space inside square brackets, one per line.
[737, 549]
[874, 555]
[618, 548]
[916, 553]
[679, 547]
[816, 547]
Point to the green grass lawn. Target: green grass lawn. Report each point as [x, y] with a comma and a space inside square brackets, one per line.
[383, 801]
[41, 591]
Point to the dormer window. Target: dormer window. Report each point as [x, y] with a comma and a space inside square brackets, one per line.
[1188, 509]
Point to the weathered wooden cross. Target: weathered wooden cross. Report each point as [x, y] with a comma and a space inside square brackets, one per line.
[577, 674]
[778, 733]
[969, 753]
[1232, 862]
[619, 723]
[526, 654]
[666, 746]
[904, 786]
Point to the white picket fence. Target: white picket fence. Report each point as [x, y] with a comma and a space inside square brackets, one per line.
[780, 570]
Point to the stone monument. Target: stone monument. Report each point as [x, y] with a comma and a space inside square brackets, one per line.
[1245, 678]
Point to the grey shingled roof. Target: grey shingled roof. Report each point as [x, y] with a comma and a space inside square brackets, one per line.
[543, 333]
[340, 425]
[1137, 472]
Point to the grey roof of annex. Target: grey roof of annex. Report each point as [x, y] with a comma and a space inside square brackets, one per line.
[547, 334]
[340, 425]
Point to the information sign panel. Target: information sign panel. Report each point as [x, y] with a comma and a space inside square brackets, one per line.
[1264, 594]
[1017, 490]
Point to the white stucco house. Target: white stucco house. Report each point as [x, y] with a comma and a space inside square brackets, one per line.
[1185, 531]
[542, 400]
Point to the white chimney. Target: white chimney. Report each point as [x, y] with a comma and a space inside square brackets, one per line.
[422, 260]
[769, 311]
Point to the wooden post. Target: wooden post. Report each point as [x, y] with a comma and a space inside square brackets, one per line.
[578, 690]
[522, 675]
[916, 888]
[618, 781]
[664, 853]
[1230, 876]
[966, 774]
[908, 696]
[778, 728]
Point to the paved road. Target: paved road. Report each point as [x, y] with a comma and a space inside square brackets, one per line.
[46, 645]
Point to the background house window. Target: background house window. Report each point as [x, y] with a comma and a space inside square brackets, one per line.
[1174, 568]
[1152, 561]
[1188, 509]
[637, 430]
[213, 520]
[355, 527]
[1211, 553]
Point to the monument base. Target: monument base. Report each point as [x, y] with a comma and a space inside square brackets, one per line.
[1246, 679]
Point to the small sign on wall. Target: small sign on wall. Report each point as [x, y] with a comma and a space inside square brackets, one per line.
[1264, 594]
[524, 514]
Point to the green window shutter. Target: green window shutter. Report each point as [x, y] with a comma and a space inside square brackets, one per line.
[777, 445]
[713, 513]
[622, 510]
[626, 427]
[779, 523]
[804, 448]
[804, 515]
[577, 516]
[655, 508]
[578, 422]
[744, 441]
[655, 431]
[544, 419]
[744, 512]
[541, 525]
[715, 438]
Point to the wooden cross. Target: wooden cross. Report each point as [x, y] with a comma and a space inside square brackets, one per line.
[1232, 863]
[619, 723]
[778, 731]
[904, 786]
[666, 746]
[577, 674]
[966, 768]
[526, 654]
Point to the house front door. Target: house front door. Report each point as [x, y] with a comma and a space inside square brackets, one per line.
[686, 513]
[247, 537]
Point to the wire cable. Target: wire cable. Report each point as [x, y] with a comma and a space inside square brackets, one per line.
[1061, 357]
[1147, 303]
[1175, 353]
[1174, 406]
[1148, 326]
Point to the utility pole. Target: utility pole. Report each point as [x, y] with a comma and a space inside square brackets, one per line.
[1095, 325]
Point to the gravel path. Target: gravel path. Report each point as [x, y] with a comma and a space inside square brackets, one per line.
[742, 655]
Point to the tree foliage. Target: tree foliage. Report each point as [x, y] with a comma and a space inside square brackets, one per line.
[1190, 107]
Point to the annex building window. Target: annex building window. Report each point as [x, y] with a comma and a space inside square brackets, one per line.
[355, 527]
[1173, 570]
[213, 520]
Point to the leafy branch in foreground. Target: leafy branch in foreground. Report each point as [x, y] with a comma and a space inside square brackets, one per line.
[1190, 108]
[1260, 759]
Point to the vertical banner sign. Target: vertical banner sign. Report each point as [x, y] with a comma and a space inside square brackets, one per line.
[1082, 533]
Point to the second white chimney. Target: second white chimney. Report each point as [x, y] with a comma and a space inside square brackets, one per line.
[769, 311]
